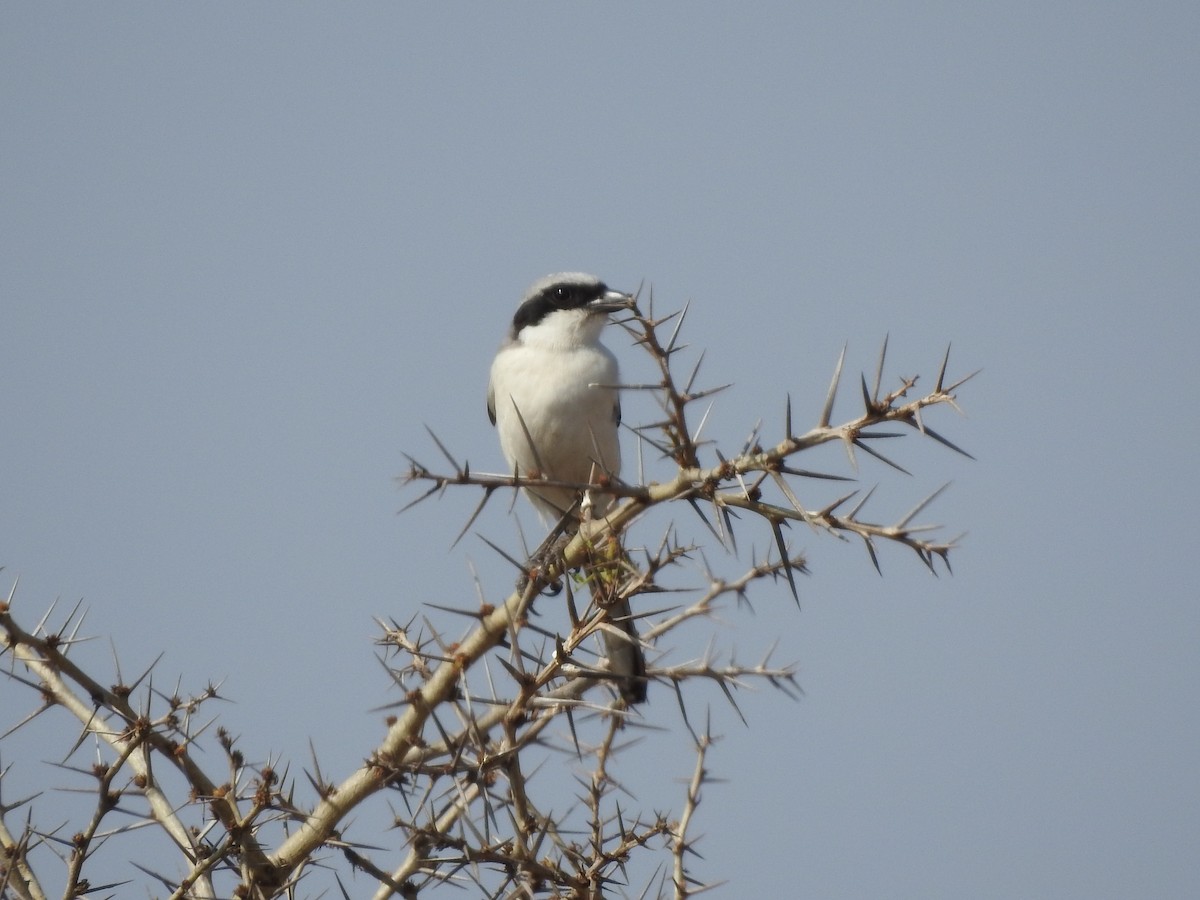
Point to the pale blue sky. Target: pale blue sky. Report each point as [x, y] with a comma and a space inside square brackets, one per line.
[246, 251]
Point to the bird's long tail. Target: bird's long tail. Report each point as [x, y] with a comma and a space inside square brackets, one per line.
[622, 646]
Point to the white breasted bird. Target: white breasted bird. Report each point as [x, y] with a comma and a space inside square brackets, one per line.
[554, 402]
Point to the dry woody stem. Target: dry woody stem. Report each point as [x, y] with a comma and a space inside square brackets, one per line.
[462, 764]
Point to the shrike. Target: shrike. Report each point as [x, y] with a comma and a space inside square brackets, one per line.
[554, 402]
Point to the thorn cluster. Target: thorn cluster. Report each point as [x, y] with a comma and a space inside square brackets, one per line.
[467, 761]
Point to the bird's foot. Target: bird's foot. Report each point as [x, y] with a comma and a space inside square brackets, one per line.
[548, 555]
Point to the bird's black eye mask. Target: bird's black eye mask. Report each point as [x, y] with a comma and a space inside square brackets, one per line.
[556, 296]
[573, 296]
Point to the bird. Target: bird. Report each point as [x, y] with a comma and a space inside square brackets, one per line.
[553, 397]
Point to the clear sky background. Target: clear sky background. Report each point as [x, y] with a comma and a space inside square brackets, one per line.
[247, 251]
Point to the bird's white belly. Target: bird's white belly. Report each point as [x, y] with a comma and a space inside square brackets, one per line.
[572, 432]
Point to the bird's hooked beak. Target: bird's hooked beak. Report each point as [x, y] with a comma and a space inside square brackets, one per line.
[611, 302]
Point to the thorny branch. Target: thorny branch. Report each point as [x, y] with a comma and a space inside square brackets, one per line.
[739, 482]
[466, 750]
[681, 847]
